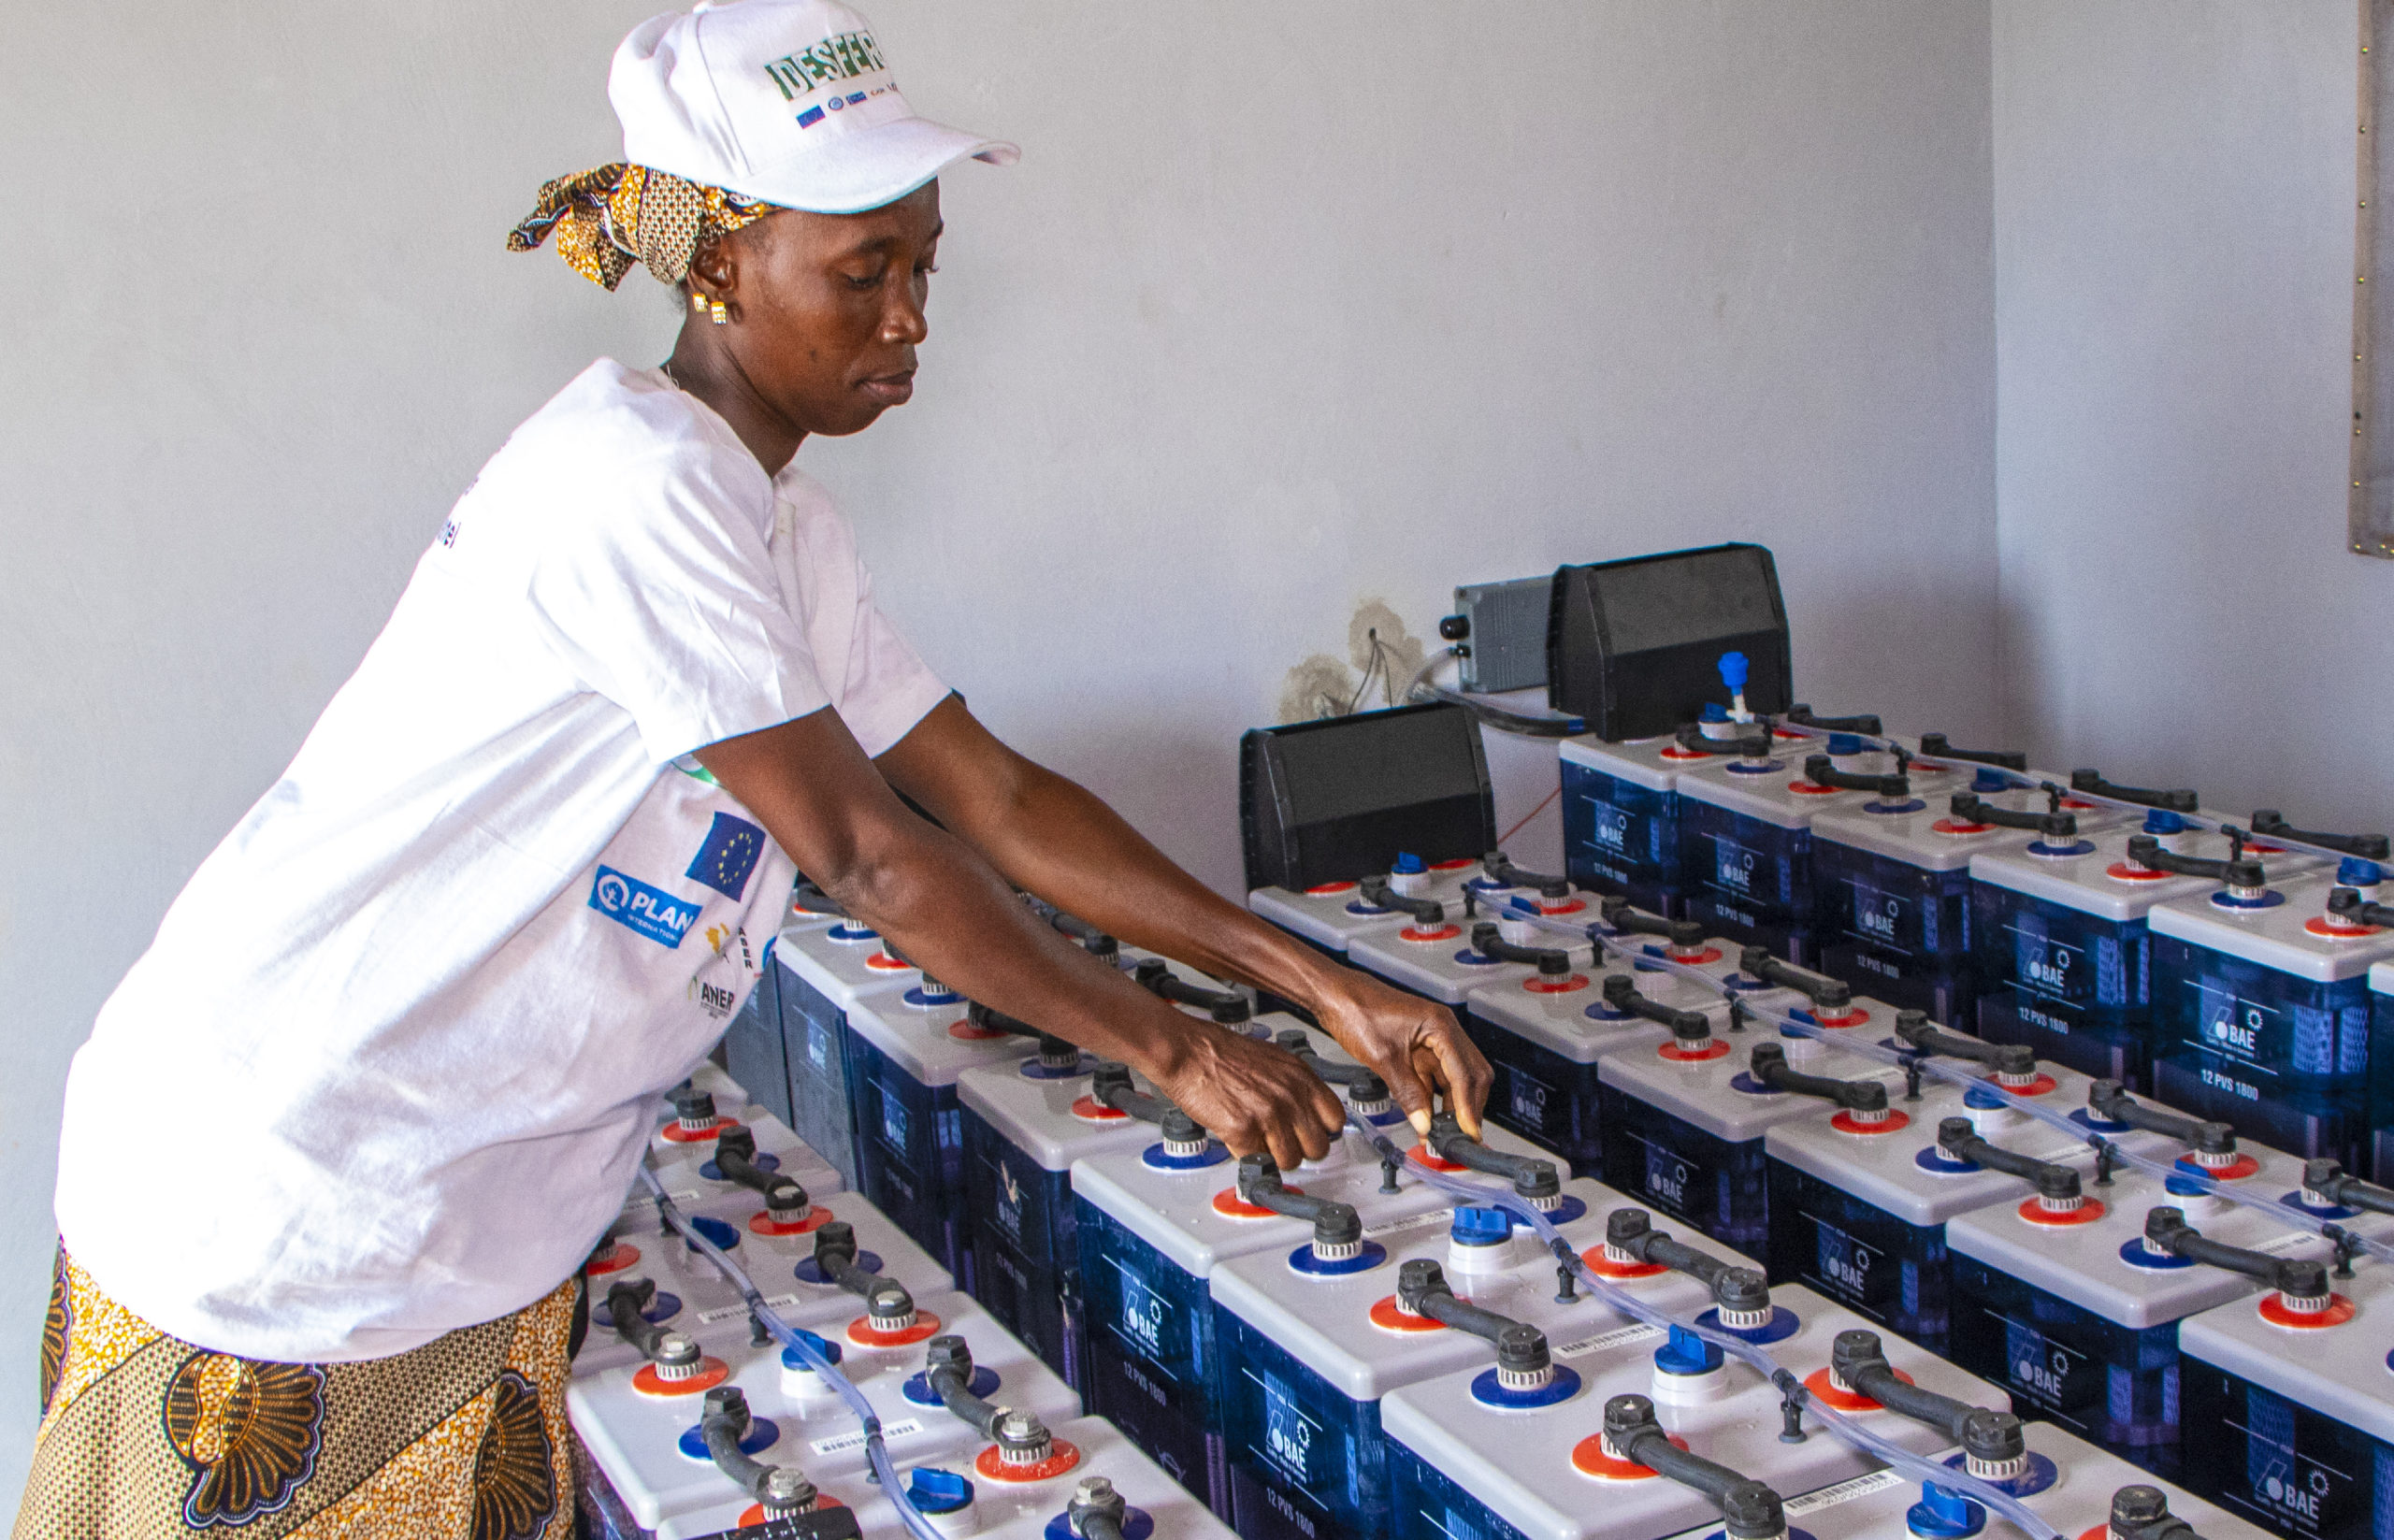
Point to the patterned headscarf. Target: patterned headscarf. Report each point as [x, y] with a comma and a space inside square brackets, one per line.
[611, 217]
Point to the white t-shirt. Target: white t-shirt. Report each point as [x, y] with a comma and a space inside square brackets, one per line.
[387, 1069]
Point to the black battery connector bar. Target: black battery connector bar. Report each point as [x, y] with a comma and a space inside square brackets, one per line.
[2175, 799]
[675, 1355]
[2143, 1513]
[1021, 1437]
[782, 1490]
[1867, 723]
[1362, 1086]
[1522, 1350]
[1488, 941]
[1228, 1007]
[888, 1305]
[1097, 1511]
[2212, 1143]
[2269, 824]
[1378, 893]
[1749, 1509]
[1821, 770]
[2240, 873]
[1534, 1181]
[1624, 918]
[2012, 1064]
[2346, 905]
[2300, 1283]
[1866, 1099]
[1110, 1086]
[2324, 1180]
[1741, 1294]
[1500, 866]
[735, 1156]
[2059, 1188]
[1690, 1029]
[1337, 1229]
[2054, 824]
[1821, 989]
[1992, 1442]
[1752, 741]
[1936, 745]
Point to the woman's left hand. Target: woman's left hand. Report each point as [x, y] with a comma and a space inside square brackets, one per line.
[1412, 1044]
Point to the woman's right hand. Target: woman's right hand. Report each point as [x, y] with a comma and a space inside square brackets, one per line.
[1250, 1095]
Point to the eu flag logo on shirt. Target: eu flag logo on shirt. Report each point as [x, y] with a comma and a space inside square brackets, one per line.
[730, 852]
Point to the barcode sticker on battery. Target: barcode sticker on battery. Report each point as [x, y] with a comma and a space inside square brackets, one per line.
[890, 1433]
[1620, 1338]
[1417, 1221]
[1844, 1492]
[733, 1312]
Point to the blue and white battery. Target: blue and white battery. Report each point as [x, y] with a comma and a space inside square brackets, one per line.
[1682, 1122]
[1746, 824]
[956, 1495]
[2077, 1315]
[1332, 914]
[1461, 1465]
[1892, 886]
[1543, 1034]
[2261, 1007]
[775, 1248]
[1309, 1351]
[2077, 1499]
[2287, 1399]
[2064, 949]
[821, 972]
[1025, 1124]
[1152, 1225]
[1620, 814]
[1858, 1208]
[643, 1426]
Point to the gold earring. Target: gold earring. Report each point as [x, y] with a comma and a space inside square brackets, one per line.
[722, 316]
[698, 300]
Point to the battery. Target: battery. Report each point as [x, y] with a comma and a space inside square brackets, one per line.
[1860, 1215]
[1439, 961]
[1893, 891]
[686, 1165]
[1151, 1228]
[639, 1429]
[2064, 948]
[823, 969]
[2080, 1321]
[2381, 1073]
[2261, 1013]
[1459, 1466]
[1332, 914]
[1683, 1132]
[1544, 1034]
[1308, 1353]
[2072, 1490]
[1621, 817]
[2293, 1429]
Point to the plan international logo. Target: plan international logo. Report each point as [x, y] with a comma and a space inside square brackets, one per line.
[833, 62]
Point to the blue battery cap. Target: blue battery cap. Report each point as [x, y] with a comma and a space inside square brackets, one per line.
[1409, 865]
[1979, 1098]
[1940, 1515]
[2352, 871]
[1989, 781]
[2163, 821]
[1733, 671]
[1712, 712]
[1685, 1353]
[937, 1492]
[830, 1351]
[1475, 1226]
[1842, 743]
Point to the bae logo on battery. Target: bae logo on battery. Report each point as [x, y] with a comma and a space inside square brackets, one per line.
[729, 854]
[632, 903]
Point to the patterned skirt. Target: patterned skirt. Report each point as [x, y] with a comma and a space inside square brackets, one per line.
[144, 1437]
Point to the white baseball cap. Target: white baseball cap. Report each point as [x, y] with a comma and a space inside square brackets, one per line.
[786, 101]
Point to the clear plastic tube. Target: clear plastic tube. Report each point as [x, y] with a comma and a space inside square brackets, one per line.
[885, 1470]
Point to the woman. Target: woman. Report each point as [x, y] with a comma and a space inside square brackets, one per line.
[404, 1028]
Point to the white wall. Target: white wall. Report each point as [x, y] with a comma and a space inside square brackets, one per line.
[1286, 308]
[2174, 213]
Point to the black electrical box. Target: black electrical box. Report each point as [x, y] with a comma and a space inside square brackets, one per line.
[1634, 646]
[1339, 798]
